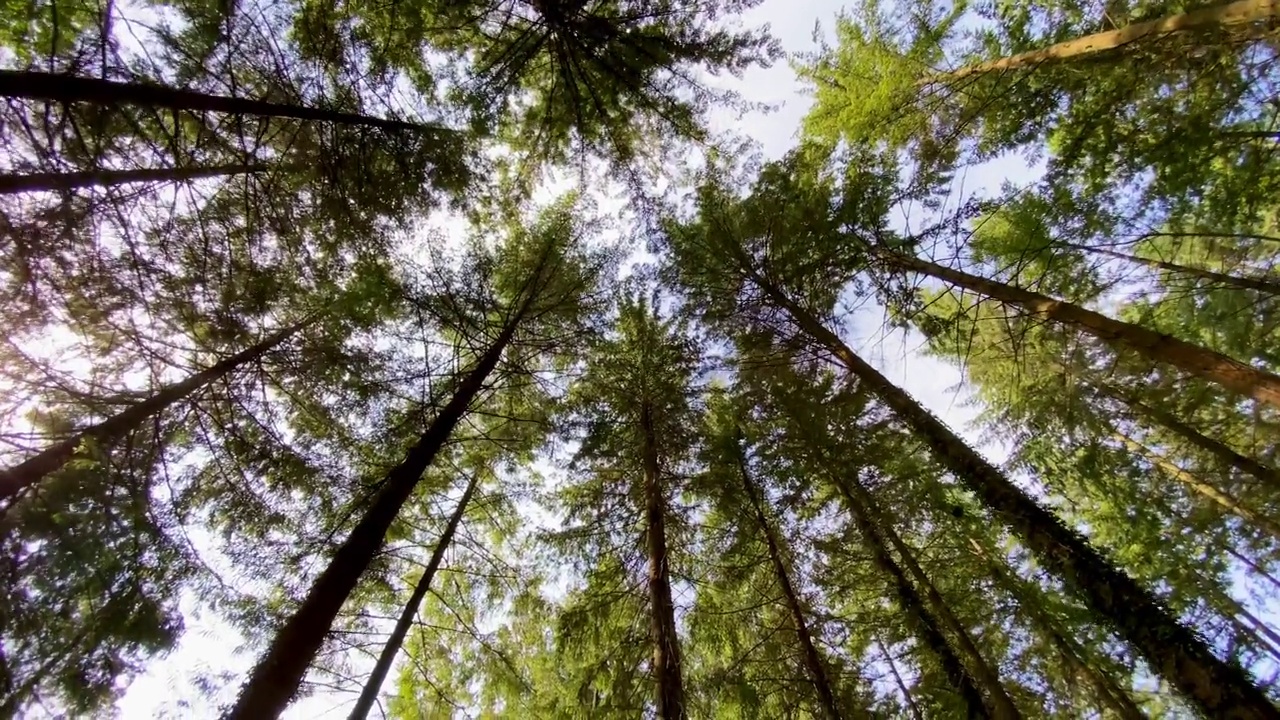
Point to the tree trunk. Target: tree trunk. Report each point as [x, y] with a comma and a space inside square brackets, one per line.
[374, 682]
[1202, 362]
[70, 89]
[1220, 689]
[1244, 12]
[902, 686]
[30, 471]
[275, 679]
[666, 641]
[1200, 487]
[62, 182]
[1001, 705]
[1255, 568]
[1106, 689]
[1233, 281]
[918, 616]
[812, 659]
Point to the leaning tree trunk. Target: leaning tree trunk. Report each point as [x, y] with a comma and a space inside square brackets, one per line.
[1223, 279]
[812, 659]
[666, 641]
[1002, 706]
[1220, 689]
[71, 88]
[917, 615]
[910, 701]
[1242, 13]
[373, 683]
[1202, 362]
[62, 182]
[275, 679]
[30, 471]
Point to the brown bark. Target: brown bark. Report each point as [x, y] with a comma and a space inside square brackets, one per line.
[1220, 689]
[1223, 279]
[71, 88]
[666, 641]
[275, 679]
[1244, 12]
[902, 686]
[812, 659]
[369, 694]
[61, 182]
[30, 471]
[1204, 363]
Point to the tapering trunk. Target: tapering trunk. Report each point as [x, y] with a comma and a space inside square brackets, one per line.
[1236, 14]
[921, 621]
[1223, 279]
[275, 679]
[897, 679]
[369, 694]
[1218, 688]
[1000, 704]
[30, 471]
[61, 182]
[666, 641]
[1214, 447]
[1105, 688]
[71, 89]
[1204, 363]
[813, 663]
[1206, 490]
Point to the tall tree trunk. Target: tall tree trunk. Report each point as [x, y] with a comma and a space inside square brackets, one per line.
[1244, 12]
[1202, 362]
[1220, 689]
[1001, 705]
[275, 679]
[71, 88]
[918, 616]
[1200, 487]
[373, 683]
[666, 641]
[1255, 568]
[1214, 447]
[812, 659]
[58, 182]
[1232, 281]
[897, 679]
[30, 471]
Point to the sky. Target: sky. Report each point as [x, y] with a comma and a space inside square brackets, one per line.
[209, 647]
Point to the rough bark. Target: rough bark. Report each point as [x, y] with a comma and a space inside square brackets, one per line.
[1202, 362]
[30, 471]
[369, 694]
[1236, 14]
[1223, 279]
[813, 663]
[1220, 689]
[666, 641]
[70, 89]
[275, 679]
[62, 182]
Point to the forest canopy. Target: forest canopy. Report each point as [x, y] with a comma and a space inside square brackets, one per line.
[485, 359]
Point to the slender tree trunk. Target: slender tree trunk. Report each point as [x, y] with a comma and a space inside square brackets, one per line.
[666, 641]
[61, 182]
[71, 88]
[373, 684]
[275, 679]
[1232, 281]
[1244, 12]
[1255, 568]
[812, 659]
[918, 616]
[1214, 447]
[1001, 705]
[30, 471]
[897, 679]
[1220, 689]
[1200, 487]
[1104, 686]
[1202, 362]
